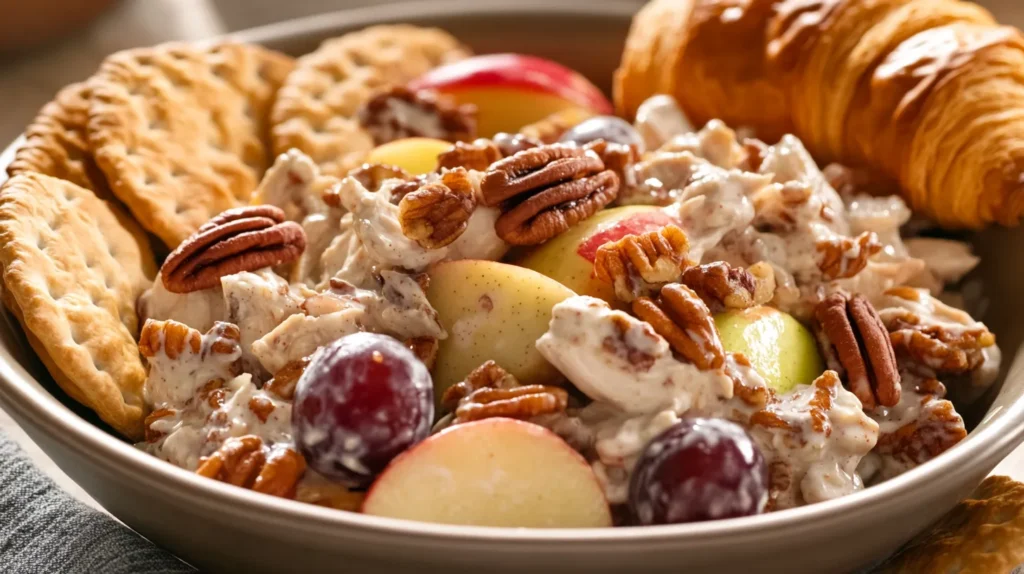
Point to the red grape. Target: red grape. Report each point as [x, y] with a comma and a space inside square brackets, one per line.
[608, 128]
[699, 469]
[363, 400]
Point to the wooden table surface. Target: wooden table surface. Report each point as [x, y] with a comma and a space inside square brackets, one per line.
[28, 81]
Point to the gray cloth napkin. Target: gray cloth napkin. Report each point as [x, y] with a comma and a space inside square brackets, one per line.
[44, 530]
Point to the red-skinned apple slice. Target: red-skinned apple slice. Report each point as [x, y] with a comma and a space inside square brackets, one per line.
[493, 472]
[513, 90]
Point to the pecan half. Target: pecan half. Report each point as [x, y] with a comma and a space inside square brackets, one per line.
[681, 317]
[240, 239]
[403, 113]
[476, 155]
[490, 391]
[550, 129]
[844, 257]
[855, 343]
[641, 264]
[369, 175]
[546, 190]
[245, 461]
[438, 213]
[723, 286]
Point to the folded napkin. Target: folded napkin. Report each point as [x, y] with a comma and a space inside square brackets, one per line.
[43, 529]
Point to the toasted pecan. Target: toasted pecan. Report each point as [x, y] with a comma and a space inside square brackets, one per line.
[723, 286]
[400, 112]
[546, 190]
[681, 317]
[241, 239]
[641, 264]
[855, 342]
[844, 257]
[438, 213]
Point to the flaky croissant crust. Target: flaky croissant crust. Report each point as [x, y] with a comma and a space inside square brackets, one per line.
[928, 92]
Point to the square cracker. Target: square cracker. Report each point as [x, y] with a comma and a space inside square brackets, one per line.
[56, 144]
[316, 110]
[180, 131]
[69, 274]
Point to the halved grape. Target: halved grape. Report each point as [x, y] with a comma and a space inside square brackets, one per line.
[362, 401]
[699, 469]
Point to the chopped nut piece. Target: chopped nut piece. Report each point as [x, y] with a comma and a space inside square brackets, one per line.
[490, 391]
[283, 383]
[153, 435]
[545, 191]
[845, 257]
[477, 155]
[519, 403]
[489, 374]
[932, 338]
[723, 286]
[921, 427]
[550, 129]
[245, 461]
[438, 213]
[641, 264]
[854, 341]
[425, 349]
[371, 176]
[403, 113]
[681, 317]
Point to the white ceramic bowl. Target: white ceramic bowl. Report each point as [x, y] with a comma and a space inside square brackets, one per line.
[223, 528]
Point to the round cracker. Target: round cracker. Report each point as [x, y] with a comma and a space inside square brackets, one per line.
[181, 131]
[70, 274]
[57, 145]
[315, 111]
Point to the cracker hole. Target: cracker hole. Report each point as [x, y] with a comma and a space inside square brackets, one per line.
[157, 125]
[179, 209]
[98, 364]
[144, 60]
[148, 179]
[41, 242]
[176, 172]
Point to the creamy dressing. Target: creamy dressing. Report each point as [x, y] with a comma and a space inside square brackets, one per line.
[198, 309]
[737, 202]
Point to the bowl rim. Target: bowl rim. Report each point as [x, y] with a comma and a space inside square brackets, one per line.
[26, 399]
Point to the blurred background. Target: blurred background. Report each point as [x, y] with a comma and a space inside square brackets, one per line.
[47, 44]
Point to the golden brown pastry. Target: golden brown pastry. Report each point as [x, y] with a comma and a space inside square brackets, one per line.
[929, 92]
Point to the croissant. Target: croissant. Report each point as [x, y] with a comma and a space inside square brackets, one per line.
[927, 92]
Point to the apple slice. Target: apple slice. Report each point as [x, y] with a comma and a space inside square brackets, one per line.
[417, 156]
[493, 472]
[491, 311]
[780, 349]
[513, 90]
[569, 257]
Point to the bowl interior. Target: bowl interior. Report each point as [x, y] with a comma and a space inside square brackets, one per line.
[589, 37]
